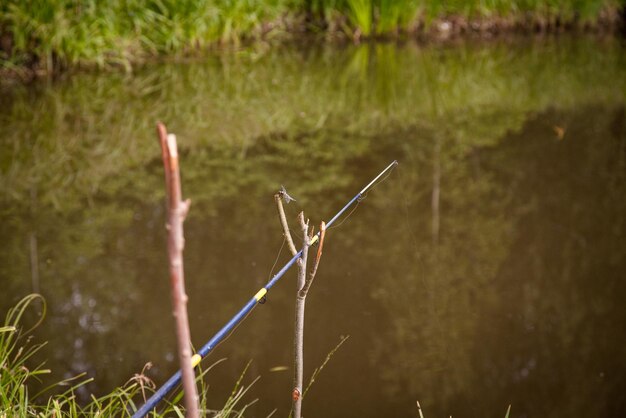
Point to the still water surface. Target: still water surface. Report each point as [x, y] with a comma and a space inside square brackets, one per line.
[489, 269]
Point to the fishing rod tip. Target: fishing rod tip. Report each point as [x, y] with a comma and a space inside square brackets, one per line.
[395, 162]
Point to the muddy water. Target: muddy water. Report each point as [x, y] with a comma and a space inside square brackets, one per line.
[488, 269]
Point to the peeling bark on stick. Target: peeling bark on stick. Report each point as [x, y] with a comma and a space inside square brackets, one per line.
[177, 211]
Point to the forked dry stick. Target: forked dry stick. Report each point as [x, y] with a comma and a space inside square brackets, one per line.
[304, 284]
[298, 341]
[177, 211]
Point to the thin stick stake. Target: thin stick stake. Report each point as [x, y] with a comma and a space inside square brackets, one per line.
[304, 284]
[177, 211]
[283, 221]
[298, 344]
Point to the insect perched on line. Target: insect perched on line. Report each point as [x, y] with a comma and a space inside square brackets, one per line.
[284, 195]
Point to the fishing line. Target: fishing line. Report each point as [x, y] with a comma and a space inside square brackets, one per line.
[371, 186]
[226, 337]
[345, 218]
[280, 250]
[408, 219]
[412, 236]
[248, 314]
[378, 182]
[428, 288]
[269, 276]
[298, 234]
[234, 329]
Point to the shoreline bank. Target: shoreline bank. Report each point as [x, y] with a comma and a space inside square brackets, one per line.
[26, 54]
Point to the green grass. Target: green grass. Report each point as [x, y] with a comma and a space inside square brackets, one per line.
[388, 17]
[57, 34]
[19, 371]
[51, 35]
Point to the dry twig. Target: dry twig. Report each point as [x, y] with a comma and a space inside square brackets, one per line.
[177, 211]
[304, 283]
[283, 221]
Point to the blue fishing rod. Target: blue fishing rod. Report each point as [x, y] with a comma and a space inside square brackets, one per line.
[226, 329]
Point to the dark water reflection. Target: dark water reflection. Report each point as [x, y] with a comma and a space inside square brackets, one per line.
[487, 270]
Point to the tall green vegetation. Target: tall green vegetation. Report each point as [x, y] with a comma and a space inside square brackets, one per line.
[61, 33]
[55, 34]
[19, 371]
[385, 17]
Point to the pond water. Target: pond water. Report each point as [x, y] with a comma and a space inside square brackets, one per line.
[488, 269]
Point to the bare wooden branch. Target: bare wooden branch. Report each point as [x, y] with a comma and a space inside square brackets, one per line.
[304, 283]
[177, 211]
[283, 222]
[309, 280]
[299, 323]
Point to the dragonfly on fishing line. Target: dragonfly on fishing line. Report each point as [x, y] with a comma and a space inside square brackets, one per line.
[283, 193]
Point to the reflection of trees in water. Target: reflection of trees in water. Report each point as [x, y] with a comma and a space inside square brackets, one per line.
[87, 148]
[70, 137]
[434, 282]
[521, 297]
[562, 284]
